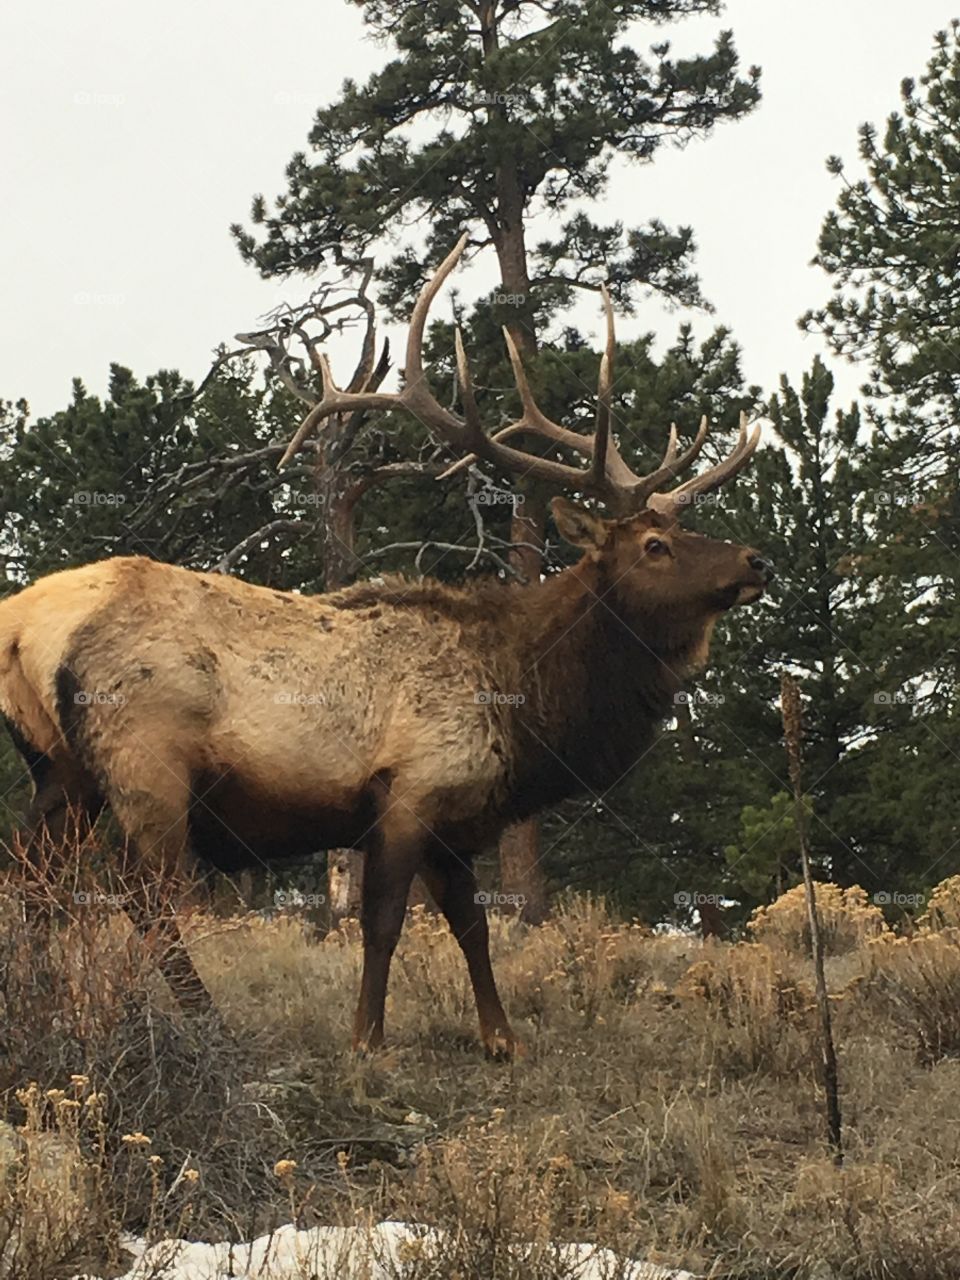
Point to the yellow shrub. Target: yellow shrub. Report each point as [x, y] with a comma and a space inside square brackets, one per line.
[943, 909]
[580, 968]
[847, 919]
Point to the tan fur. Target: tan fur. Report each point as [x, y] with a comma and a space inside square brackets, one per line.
[35, 630]
[419, 717]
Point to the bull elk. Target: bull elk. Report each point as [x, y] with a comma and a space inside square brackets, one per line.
[226, 724]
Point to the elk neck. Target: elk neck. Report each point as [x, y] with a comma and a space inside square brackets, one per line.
[597, 673]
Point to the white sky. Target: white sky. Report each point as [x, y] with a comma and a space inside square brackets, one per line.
[134, 135]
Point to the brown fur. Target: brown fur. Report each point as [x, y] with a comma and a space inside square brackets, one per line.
[411, 719]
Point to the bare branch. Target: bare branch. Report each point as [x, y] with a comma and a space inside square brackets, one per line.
[230, 558]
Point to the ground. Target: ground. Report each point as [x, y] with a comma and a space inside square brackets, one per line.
[668, 1106]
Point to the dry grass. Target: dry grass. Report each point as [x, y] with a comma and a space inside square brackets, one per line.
[668, 1106]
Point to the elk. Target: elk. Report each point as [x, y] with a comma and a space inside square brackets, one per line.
[226, 724]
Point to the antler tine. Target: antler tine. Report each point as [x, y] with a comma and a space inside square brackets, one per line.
[413, 368]
[670, 456]
[601, 434]
[730, 466]
[315, 415]
[670, 465]
[533, 418]
[470, 412]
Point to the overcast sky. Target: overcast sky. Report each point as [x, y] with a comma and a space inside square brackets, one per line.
[133, 135]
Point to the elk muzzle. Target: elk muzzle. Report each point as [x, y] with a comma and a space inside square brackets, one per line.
[759, 574]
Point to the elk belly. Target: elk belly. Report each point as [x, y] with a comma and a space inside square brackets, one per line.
[236, 823]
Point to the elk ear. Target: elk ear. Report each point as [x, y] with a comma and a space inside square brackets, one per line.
[577, 525]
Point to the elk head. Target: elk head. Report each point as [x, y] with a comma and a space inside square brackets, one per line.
[650, 562]
[651, 568]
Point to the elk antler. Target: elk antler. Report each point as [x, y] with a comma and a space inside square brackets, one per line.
[607, 477]
[673, 502]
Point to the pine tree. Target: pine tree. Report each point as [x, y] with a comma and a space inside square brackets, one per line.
[150, 470]
[521, 101]
[489, 111]
[892, 250]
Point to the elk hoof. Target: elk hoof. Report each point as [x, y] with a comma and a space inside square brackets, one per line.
[503, 1046]
[366, 1046]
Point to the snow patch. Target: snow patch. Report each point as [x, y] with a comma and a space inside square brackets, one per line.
[345, 1253]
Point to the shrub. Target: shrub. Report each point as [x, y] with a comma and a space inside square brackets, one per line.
[918, 980]
[847, 919]
[943, 907]
[68, 1182]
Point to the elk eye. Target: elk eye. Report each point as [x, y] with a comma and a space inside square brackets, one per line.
[656, 547]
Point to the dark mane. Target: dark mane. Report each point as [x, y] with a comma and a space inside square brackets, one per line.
[472, 600]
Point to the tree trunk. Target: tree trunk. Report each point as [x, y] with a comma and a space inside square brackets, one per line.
[340, 561]
[337, 503]
[712, 923]
[521, 870]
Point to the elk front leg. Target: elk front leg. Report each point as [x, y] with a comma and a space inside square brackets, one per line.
[451, 881]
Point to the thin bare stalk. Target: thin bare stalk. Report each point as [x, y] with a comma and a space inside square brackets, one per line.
[792, 713]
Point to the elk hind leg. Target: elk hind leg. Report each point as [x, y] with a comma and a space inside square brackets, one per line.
[156, 868]
[65, 805]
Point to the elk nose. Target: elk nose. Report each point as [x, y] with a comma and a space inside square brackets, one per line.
[761, 566]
